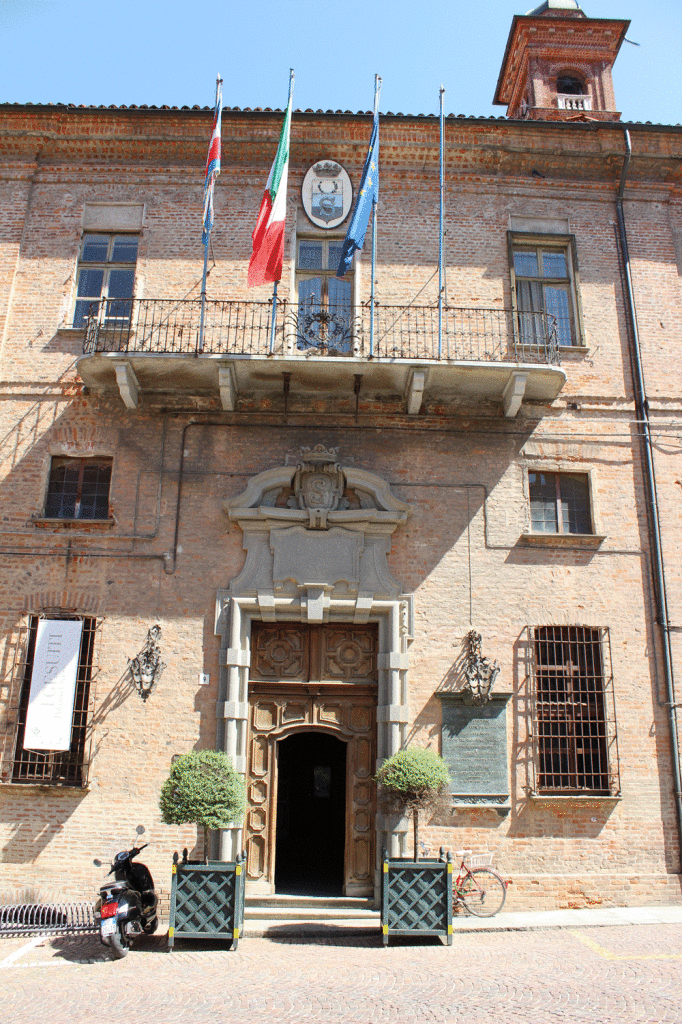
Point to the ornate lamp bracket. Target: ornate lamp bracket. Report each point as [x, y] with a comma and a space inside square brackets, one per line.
[147, 667]
[480, 673]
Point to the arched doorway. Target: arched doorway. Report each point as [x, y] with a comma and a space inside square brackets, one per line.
[311, 814]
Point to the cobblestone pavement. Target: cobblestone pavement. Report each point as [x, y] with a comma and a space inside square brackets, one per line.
[619, 975]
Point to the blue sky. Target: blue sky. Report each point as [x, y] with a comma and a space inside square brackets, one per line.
[146, 51]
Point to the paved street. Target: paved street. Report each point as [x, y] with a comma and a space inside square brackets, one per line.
[604, 975]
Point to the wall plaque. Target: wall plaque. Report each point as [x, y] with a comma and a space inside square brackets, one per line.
[474, 747]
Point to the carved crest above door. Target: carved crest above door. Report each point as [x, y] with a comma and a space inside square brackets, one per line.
[318, 529]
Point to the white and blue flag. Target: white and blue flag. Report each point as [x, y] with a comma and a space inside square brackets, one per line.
[368, 194]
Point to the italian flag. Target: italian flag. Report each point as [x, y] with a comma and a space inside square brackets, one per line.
[268, 235]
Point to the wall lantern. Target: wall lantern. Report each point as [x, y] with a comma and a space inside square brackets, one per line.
[147, 667]
[480, 674]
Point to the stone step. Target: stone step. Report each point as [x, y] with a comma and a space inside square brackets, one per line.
[327, 928]
[283, 901]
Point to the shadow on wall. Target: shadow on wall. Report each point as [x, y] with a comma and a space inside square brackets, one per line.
[32, 834]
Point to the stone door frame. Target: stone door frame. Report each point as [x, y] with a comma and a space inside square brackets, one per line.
[234, 617]
[317, 535]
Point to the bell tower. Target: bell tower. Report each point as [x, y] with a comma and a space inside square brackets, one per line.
[557, 65]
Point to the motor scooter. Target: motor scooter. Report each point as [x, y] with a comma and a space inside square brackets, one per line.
[127, 907]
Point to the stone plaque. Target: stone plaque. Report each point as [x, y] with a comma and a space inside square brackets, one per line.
[310, 558]
[474, 746]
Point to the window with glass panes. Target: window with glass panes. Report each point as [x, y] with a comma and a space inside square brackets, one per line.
[559, 502]
[78, 489]
[320, 290]
[543, 285]
[106, 272]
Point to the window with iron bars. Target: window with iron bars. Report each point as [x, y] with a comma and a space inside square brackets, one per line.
[78, 489]
[56, 768]
[576, 742]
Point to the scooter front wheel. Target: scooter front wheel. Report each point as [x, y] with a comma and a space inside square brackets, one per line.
[117, 944]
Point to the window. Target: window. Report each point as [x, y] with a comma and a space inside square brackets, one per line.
[325, 302]
[576, 742]
[59, 767]
[559, 502]
[570, 85]
[78, 489]
[106, 271]
[544, 287]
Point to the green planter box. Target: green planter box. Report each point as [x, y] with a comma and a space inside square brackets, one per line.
[207, 900]
[416, 896]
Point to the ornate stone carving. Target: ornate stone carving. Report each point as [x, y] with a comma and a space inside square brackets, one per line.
[318, 482]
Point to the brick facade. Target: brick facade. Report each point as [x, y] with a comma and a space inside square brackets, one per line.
[460, 464]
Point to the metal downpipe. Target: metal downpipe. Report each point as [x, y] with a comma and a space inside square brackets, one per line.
[652, 510]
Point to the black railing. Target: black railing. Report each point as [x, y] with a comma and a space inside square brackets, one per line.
[47, 919]
[168, 326]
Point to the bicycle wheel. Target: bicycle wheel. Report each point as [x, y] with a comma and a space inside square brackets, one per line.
[482, 892]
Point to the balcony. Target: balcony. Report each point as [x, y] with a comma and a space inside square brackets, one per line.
[155, 345]
[578, 103]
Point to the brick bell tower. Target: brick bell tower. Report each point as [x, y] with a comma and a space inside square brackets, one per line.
[557, 65]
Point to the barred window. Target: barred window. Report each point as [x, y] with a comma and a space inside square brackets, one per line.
[574, 711]
[559, 502]
[62, 767]
[78, 489]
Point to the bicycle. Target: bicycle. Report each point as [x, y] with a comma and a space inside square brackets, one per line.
[477, 887]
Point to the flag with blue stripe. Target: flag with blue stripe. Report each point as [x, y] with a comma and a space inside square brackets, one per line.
[212, 164]
[368, 194]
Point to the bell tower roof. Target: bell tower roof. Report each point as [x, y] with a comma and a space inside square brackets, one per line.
[557, 64]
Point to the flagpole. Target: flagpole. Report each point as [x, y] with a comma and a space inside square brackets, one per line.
[218, 83]
[273, 322]
[440, 233]
[377, 92]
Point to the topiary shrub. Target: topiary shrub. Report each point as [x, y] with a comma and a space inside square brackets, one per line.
[413, 779]
[204, 789]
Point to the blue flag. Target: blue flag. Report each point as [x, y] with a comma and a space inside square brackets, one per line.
[367, 196]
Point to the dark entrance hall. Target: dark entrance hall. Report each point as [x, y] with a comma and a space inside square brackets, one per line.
[311, 815]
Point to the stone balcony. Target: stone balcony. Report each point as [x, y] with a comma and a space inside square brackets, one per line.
[145, 346]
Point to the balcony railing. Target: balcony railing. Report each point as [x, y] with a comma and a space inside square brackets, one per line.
[573, 102]
[233, 328]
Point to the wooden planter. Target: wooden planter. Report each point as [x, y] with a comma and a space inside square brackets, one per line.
[207, 900]
[416, 896]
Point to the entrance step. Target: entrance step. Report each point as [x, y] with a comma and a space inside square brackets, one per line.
[309, 915]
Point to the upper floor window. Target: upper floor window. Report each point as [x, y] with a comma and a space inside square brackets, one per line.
[325, 302]
[559, 502]
[544, 284]
[106, 271]
[570, 85]
[78, 489]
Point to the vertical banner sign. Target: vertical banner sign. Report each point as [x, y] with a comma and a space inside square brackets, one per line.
[53, 685]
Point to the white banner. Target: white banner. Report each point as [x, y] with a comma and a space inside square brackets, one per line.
[53, 685]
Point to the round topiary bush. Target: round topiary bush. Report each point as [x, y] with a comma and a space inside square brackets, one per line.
[204, 789]
[414, 778]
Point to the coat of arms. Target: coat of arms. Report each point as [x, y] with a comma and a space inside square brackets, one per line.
[327, 194]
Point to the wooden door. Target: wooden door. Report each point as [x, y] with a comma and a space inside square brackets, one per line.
[320, 678]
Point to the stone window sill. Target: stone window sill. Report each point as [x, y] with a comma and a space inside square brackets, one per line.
[43, 522]
[46, 787]
[575, 797]
[590, 541]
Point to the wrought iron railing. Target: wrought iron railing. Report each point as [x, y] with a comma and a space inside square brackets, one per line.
[169, 326]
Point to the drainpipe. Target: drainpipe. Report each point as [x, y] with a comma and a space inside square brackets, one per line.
[652, 510]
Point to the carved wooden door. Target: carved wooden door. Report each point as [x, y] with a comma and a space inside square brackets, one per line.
[320, 678]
